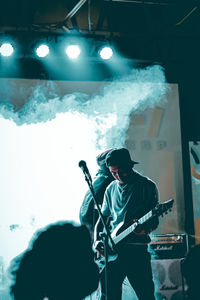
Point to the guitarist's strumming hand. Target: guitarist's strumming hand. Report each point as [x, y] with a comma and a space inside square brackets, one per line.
[98, 246]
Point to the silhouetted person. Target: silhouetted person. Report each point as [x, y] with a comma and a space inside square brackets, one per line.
[88, 214]
[57, 265]
[190, 269]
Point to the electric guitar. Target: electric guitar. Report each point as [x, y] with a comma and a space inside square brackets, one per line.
[119, 233]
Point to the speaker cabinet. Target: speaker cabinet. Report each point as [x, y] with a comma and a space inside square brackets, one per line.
[167, 278]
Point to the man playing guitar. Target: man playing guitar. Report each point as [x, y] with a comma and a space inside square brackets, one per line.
[128, 198]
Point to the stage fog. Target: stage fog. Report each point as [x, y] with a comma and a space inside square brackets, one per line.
[48, 127]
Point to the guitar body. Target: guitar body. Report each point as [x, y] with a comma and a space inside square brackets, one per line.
[112, 254]
[123, 231]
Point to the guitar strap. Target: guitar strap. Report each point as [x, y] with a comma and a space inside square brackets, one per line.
[133, 207]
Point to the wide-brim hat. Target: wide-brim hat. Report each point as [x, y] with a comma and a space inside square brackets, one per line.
[120, 157]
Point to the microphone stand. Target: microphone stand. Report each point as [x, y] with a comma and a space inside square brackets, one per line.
[107, 236]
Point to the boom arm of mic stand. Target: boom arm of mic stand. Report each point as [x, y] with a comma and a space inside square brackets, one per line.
[99, 211]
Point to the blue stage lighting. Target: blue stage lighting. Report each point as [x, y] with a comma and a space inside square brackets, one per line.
[42, 50]
[106, 52]
[73, 51]
[6, 49]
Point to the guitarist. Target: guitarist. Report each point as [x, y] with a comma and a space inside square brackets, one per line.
[129, 197]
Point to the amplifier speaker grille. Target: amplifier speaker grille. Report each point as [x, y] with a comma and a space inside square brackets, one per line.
[167, 278]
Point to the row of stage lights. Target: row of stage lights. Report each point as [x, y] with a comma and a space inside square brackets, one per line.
[72, 51]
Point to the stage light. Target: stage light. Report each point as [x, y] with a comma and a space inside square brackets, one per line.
[106, 53]
[73, 51]
[6, 49]
[42, 50]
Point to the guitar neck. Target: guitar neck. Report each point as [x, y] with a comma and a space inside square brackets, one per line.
[130, 229]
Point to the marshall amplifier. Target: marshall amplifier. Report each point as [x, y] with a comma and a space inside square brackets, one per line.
[167, 279]
[168, 246]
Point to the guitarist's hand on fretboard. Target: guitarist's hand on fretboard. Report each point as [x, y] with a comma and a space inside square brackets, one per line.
[139, 230]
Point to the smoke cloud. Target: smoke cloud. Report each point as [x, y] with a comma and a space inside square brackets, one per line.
[109, 110]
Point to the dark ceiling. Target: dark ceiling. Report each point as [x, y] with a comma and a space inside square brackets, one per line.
[163, 30]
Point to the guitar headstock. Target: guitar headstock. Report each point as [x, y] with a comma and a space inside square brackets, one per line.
[163, 208]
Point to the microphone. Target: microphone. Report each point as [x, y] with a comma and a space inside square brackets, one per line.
[84, 168]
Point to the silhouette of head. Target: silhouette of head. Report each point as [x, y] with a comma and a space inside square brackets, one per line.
[58, 264]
